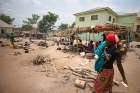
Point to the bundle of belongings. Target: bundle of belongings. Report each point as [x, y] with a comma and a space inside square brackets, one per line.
[26, 47]
[100, 51]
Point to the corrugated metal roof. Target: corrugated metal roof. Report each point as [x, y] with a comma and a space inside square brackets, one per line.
[3, 24]
[108, 9]
[128, 14]
[95, 10]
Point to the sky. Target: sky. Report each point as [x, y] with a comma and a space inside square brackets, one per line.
[22, 9]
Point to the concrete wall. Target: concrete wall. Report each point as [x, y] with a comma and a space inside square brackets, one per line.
[137, 22]
[102, 19]
[91, 36]
[129, 21]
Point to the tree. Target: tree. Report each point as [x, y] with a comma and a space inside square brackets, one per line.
[26, 27]
[28, 24]
[32, 20]
[63, 27]
[47, 23]
[6, 18]
[72, 25]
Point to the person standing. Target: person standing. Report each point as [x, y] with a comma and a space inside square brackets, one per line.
[12, 40]
[106, 54]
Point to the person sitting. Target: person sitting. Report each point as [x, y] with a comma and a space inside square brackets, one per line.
[75, 42]
[80, 45]
[90, 47]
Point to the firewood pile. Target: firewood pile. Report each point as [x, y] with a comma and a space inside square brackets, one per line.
[123, 28]
[85, 74]
[110, 27]
[98, 28]
[84, 29]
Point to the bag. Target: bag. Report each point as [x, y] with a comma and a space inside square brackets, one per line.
[101, 60]
[100, 63]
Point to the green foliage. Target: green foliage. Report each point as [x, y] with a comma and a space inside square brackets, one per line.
[47, 23]
[31, 21]
[6, 18]
[72, 25]
[63, 27]
[28, 24]
[34, 19]
[26, 27]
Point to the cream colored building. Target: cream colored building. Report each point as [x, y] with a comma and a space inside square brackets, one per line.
[97, 16]
[5, 28]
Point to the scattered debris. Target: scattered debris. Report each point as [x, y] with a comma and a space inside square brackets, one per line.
[20, 46]
[43, 44]
[39, 60]
[15, 53]
[131, 50]
[90, 84]
[18, 39]
[137, 46]
[4, 44]
[58, 48]
[51, 43]
[26, 47]
[67, 76]
[80, 83]
[86, 75]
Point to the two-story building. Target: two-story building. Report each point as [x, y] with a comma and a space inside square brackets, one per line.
[100, 16]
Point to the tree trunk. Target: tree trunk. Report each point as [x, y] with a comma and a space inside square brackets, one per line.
[45, 37]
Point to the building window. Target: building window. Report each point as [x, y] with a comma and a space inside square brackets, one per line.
[94, 17]
[109, 19]
[82, 19]
[113, 20]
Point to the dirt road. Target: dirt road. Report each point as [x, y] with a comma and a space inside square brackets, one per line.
[18, 75]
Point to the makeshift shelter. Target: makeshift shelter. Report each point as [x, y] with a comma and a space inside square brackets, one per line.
[95, 34]
[33, 34]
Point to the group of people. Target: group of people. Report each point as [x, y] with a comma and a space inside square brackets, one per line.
[78, 43]
[106, 52]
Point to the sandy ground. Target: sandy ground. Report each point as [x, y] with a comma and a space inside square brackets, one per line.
[19, 75]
